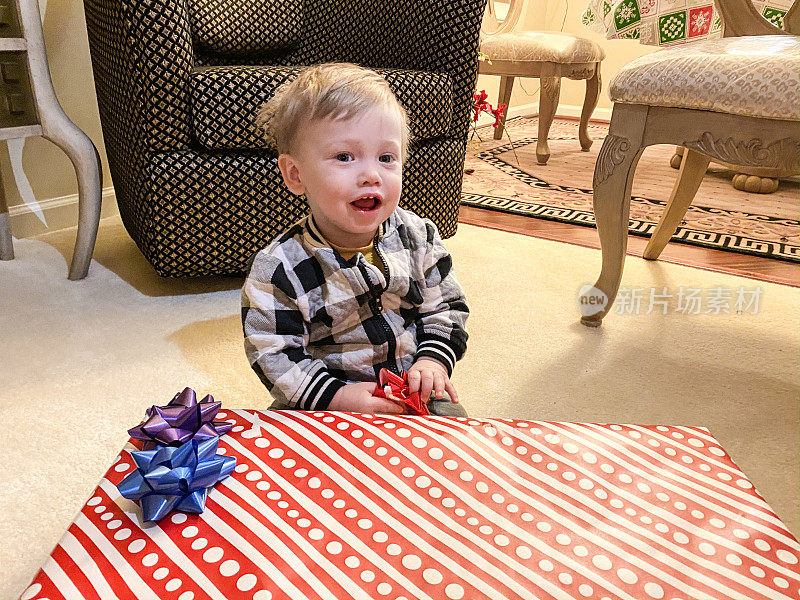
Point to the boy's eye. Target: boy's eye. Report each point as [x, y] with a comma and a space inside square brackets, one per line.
[343, 156]
[386, 158]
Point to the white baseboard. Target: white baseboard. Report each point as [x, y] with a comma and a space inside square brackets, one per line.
[564, 110]
[602, 115]
[59, 213]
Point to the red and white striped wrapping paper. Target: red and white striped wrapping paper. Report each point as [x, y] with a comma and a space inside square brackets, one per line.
[329, 505]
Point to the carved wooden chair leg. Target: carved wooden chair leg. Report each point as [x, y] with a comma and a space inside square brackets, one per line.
[86, 161]
[693, 168]
[6, 245]
[90, 186]
[548, 103]
[612, 205]
[613, 179]
[504, 97]
[593, 87]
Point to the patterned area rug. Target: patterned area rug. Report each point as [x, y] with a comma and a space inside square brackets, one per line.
[505, 176]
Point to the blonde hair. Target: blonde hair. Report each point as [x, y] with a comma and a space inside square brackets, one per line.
[331, 90]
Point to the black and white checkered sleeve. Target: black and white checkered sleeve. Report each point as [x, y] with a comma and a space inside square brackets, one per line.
[275, 339]
[442, 317]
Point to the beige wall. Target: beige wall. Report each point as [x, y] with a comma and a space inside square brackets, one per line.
[563, 15]
[46, 174]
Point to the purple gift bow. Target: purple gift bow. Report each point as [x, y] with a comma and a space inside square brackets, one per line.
[182, 419]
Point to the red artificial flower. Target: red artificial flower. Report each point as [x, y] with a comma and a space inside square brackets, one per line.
[498, 114]
[480, 104]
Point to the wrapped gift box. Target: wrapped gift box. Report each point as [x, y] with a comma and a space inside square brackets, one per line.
[340, 505]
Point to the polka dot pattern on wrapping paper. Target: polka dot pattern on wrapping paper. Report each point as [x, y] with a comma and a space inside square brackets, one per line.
[522, 522]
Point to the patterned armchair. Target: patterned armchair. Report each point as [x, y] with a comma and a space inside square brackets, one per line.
[179, 81]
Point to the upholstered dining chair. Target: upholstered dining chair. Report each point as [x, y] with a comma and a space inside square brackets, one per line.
[755, 180]
[179, 84]
[548, 55]
[734, 99]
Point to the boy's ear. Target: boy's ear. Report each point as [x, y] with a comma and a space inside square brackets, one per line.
[291, 174]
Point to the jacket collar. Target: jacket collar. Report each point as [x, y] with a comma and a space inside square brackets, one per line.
[312, 233]
[314, 238]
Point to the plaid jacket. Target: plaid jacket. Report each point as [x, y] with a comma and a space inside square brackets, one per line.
[314, 321]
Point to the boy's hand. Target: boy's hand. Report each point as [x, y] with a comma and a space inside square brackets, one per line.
[428, 374]
[357, 397]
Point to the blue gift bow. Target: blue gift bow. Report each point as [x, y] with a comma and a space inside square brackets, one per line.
[175, 477]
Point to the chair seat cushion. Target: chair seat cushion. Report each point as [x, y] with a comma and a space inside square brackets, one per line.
[755, 76]
[225, 100]
[541, 46]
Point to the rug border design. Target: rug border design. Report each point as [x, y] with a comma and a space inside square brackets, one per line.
[686, 235]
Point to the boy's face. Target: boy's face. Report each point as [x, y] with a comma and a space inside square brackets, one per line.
[350, 172]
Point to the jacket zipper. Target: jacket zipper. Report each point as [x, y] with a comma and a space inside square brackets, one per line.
[383, 262]
[376, 305]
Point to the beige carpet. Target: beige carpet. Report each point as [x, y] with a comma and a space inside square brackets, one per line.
[80, 362]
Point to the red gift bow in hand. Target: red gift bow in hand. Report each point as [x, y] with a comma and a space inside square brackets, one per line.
[395, 388]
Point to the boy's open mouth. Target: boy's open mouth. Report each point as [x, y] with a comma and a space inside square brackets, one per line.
[366, 203]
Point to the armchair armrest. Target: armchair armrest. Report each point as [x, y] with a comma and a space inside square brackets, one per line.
[142, 57]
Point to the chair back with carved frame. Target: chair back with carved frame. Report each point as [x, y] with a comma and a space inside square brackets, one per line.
[740, 18]
[501, 16]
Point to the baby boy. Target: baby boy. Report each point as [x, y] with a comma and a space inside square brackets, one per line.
[360, 284]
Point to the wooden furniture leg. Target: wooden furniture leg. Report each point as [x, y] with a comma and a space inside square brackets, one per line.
[613, 179]
[6, 245]
[548, 103]
[86, 161]
[504, 97]
[58, 128]
[693, 168]
[593, 86]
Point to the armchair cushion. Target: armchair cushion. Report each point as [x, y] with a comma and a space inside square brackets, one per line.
[225, 100]
[236, 28]
[541, 46]
[754, 76]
